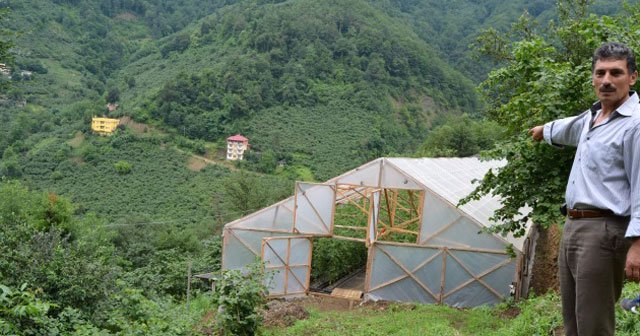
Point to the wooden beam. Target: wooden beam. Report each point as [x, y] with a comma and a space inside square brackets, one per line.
[350, 238]
[443, 274]
[309, 266]
[287, 269]
[397, 229]
[350, 227]
[420, 214]
[407, 222]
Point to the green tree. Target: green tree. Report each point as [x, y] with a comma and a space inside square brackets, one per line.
[113, 96]
[245, 193]
[40, 245]
[10, 165]
[546, 76]
[460, 136]
[122, 167]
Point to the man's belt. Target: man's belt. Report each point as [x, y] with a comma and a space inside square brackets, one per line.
[590, 213]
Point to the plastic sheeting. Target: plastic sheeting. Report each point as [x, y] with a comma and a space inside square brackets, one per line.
[287, 262]
[314, 208]
[455, 261]
[412, 273]
[278, 217]
[436, 215]
[398, 273]
[365, 175]
[453, 179]
[466, 234]
[242, 247]
[392, 178]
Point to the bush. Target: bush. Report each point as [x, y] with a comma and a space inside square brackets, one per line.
[239, 296]
[122, 167]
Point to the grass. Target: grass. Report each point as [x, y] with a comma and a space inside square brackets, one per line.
[538, 315]
[397, 319]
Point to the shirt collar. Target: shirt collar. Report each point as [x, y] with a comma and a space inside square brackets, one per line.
[626, 109]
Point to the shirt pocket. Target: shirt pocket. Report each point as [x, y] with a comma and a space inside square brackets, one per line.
[601, 157]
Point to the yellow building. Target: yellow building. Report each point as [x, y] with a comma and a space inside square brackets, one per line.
[104, 126]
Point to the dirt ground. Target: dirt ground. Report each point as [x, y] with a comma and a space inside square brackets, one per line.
[283, 313]
[196, 164]
[138, 128]
[545, 266]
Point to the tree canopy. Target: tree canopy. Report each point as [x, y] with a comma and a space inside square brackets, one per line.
[546, 76]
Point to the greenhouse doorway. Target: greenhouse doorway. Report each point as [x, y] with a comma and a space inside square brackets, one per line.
[338, 267]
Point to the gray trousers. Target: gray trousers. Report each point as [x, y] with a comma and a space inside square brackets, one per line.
[591, 265]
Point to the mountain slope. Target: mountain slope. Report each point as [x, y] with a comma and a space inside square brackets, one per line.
[344, 74]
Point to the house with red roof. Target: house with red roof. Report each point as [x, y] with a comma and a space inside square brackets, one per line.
[236, 145]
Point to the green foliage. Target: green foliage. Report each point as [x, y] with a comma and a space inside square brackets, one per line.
[256, 69]
[245, 192]
[113, 96]
[397, 319]
[5, 55]
[546, 77]
[40, 246]
[460, 136]
[122, 167]
[539, 315]
[239, 298]
[10, 166]
[332, 259]
[21, 311]
[83, 269]
[627, 323]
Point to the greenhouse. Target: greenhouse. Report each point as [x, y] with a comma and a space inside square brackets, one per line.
[420, 246]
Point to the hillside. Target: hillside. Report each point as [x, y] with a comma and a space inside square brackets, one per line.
[318, 88]
[324, 85]
[98, 234]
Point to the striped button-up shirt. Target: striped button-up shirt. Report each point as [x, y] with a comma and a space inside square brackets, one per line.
[606, 169]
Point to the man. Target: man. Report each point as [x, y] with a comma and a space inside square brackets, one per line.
[603, 195]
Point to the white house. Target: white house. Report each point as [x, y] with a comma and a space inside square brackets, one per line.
[236, 145]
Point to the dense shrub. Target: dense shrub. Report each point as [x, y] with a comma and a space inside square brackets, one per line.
[240, 296]
[122, 167]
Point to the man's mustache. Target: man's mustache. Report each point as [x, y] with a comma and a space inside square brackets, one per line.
[607, 89]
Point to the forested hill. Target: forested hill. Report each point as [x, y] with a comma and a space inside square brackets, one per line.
[326, 84]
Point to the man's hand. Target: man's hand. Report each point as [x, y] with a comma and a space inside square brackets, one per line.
[537, 133]
[632, 267]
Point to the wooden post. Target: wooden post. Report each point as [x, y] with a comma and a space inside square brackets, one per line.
[188, 284]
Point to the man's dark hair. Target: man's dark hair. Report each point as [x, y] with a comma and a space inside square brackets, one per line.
[616, 51]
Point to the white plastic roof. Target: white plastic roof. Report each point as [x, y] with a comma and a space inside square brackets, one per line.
[452, 179]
